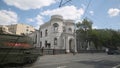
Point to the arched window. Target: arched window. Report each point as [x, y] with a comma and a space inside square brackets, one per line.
[46, 32]
[55, 41]
[55, 25]
[69, 29]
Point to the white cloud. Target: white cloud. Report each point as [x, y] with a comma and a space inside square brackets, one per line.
[29, 4]
[38, 20]
[8, 17]
[30, 20]
[94, 27]
[68, 12]
[113, 12]
[91, 12]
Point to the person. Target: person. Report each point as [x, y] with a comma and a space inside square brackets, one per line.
[106, 50]
[42, 50]
[73, 52]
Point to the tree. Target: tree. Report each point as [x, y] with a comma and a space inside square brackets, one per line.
[84, 25]
[115, 39]
[82, 31]
[100, 37]
[105, 37]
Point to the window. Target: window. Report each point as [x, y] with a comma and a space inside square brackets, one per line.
[69, 29]
[45, 43]
[55, 41]
[41, 34]
[35, 39]
[64, 30]
[27, 30]
[48, 45]
[55, 25]
[40, 44]
[46, 32]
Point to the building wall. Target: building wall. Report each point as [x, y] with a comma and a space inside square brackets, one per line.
[20, 29]
[63, 34]
[12, 28]
[4, 29]
[45, 38]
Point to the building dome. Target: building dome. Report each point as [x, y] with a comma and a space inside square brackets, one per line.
[56, 17]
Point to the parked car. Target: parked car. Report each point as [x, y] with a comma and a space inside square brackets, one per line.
[113, 51]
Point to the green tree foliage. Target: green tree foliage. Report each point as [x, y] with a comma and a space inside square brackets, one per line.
[105, 37]
[82, 32]
[84, 25]
[83, 28]
[100, 37]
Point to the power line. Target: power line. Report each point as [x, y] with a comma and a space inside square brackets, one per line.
[62, 4]
[86, 9]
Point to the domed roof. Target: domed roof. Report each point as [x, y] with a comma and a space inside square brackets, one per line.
[56, 17]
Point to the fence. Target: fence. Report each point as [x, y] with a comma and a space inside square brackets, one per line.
[62, 51]
[52, 51]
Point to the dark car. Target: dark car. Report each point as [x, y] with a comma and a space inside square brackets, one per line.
[113, 51]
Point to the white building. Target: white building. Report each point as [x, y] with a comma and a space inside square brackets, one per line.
[18, 29]
[58, 34]
[5, 29]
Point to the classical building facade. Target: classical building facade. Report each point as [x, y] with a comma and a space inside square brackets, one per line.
[18, 28]
[5, 30]
[58, 33]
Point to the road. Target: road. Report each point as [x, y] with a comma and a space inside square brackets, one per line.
[83, 60]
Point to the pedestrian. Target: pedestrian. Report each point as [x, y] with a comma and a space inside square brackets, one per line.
[73, 52]
[42, 50]
[106, 50]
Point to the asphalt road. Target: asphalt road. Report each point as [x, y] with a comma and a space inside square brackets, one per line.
[85, 60]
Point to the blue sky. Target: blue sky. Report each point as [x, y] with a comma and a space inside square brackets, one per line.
[103, 13]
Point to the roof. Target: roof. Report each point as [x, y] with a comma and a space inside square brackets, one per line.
[69, 22]
[45, 25]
